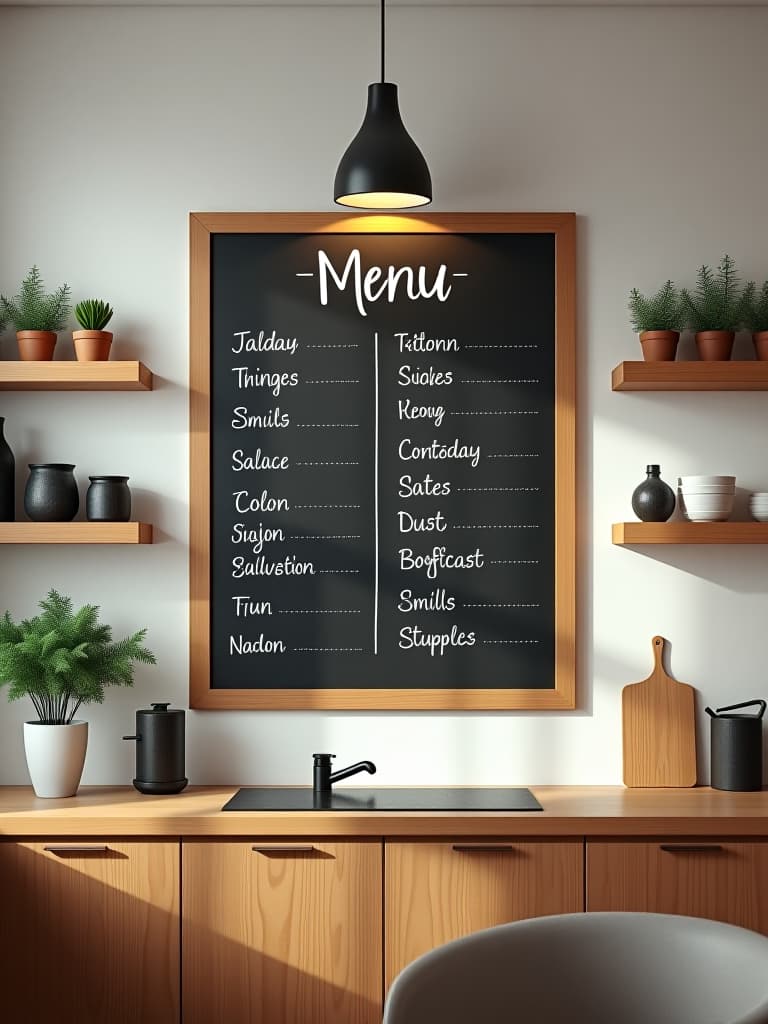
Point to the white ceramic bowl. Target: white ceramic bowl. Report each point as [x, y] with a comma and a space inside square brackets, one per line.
[688, 481]
[761, 515]
[708, 517]
[707, 489]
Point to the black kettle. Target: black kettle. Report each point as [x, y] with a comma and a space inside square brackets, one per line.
[737, 747]
[159, 750]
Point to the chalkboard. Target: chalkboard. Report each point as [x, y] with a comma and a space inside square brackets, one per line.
[386, 412]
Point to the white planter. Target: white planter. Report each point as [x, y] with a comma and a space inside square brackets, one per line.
[55, 757]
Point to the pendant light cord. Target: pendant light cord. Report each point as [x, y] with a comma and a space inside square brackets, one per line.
[382, 41]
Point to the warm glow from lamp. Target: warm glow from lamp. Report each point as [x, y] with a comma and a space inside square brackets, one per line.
[383, 200]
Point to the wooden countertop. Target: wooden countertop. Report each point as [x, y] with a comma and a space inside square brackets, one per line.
[568, 811]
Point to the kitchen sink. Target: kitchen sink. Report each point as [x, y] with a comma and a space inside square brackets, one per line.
[395, 798]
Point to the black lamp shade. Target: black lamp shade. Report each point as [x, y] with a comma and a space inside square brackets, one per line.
[383, 167]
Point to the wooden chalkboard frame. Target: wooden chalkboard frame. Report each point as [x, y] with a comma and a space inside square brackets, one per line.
[563, 695]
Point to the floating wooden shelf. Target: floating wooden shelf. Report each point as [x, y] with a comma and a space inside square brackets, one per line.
[72, 376]
[737, 375]
[75, 533]
[690, 533]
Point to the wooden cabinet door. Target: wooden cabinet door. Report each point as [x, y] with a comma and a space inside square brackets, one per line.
[89, 932]
[281, 933]
[723, 881]
[435, 892]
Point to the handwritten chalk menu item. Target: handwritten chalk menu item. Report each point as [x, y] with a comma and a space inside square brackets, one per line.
[382, 461]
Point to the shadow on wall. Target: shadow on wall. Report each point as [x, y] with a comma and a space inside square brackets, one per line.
[91, 938]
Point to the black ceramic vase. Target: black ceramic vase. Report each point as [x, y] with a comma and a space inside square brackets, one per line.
[108, 499]
[653, 501]
[7, 479]
[51, 495]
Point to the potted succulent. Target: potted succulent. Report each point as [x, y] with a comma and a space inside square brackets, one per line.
[36, 316]
[92, 343]
[657, 319]
[714, 309]
[61, 659]
[755, 316]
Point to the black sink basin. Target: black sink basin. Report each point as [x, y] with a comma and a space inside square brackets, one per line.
[396, 798]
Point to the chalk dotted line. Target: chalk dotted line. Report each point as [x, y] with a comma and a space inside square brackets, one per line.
[335, 649]
[501, 346]
[318, 611]
[513, 561]
[513, 380]
[514, 455]
[497, 412]
[306, 425]
[511, 641]
[497, 526]
[513, 605]
[339, 571]
[332, 346]
[326, 506]
[331, 381]
[490, 489]
[327, 463]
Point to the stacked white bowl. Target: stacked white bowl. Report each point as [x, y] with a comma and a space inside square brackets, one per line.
[758, 506]
[707, 499]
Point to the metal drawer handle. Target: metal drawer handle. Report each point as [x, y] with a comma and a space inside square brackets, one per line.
[293, 848]
[691, 847]
[483, 848]
[74, 848]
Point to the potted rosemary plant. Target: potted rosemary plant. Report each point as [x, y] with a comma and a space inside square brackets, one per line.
[92, 343]
[755, 316]
[63, 659]
[657, 319]
[36, 316]
[714, 309]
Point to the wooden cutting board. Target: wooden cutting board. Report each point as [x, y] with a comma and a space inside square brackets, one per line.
[659, 727]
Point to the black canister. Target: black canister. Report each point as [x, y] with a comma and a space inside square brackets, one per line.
[159, 750]
[108, 499]
[737, 747]
[653, 501]
[51, 494]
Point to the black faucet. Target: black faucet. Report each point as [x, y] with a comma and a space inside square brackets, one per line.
[323, 778]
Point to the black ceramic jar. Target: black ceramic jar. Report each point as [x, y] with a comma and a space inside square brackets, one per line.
[159, 740]
[653, 501]
[51, 494]
[108, 499]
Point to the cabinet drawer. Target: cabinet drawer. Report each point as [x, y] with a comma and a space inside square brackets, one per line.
[435, 892]
[281, 932]
[725, 881]
[90, 931]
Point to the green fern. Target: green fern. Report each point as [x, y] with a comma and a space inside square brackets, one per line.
[33, 310]
[660, 312]
[93, 314]
[716, 302]
[61, 659]
[754, 307]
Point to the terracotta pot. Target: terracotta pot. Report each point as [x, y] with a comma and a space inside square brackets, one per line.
[659, 346]
[92, 346]
[36, 346]
[760, 339]
[714, 346]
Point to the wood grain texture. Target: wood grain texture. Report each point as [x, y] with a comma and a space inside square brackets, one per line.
[75, 376]
[75, 533]
[690, 533]
[435, 893]
[659, 728]
[735, 375]
[99, 811]
[725, 884]
[90, 937]
[563, 695]
[290, 937]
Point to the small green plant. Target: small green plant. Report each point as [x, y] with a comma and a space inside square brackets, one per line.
[660, 312]
[61, 659]
[93, 314]
[754, 307]
[716, 302]
[33, 310]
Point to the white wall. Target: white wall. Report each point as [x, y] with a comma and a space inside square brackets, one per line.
[649, 123]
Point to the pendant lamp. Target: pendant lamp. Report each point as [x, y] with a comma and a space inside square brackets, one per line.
[383, 168]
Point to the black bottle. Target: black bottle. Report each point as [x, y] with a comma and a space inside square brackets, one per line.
[159, 750]
[653, 501]
[7, 479]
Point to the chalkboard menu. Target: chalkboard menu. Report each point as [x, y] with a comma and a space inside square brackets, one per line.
[382, 461]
